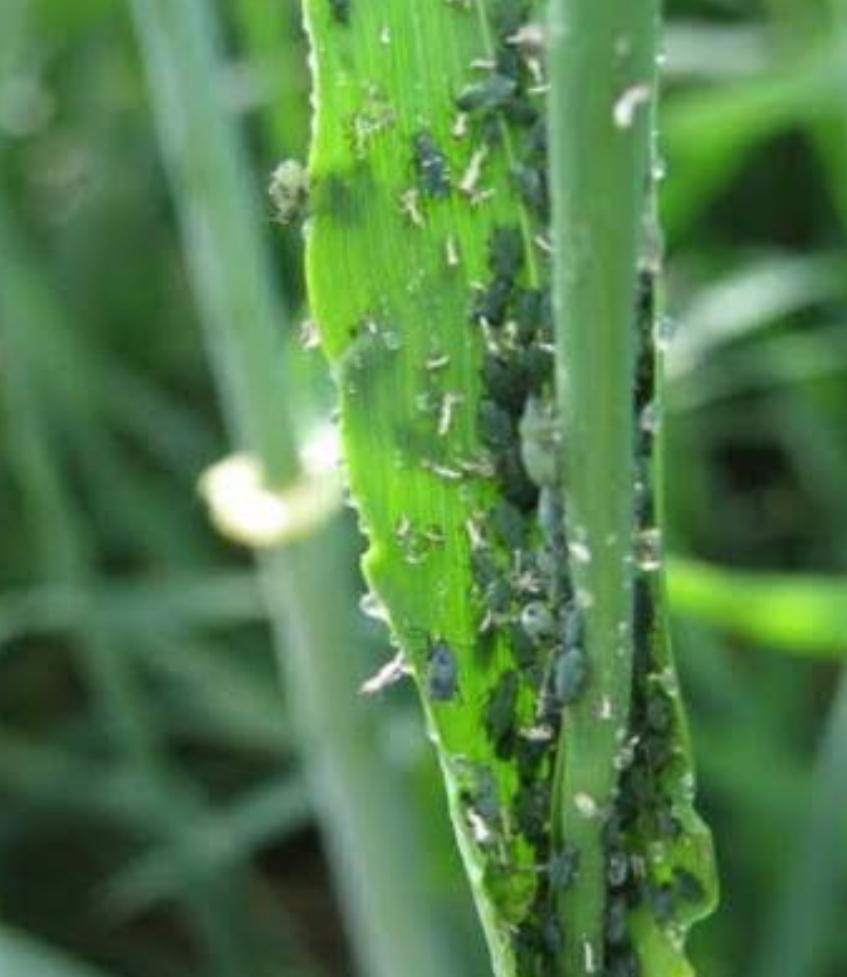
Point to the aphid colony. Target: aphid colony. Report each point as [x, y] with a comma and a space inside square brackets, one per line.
[518, 548]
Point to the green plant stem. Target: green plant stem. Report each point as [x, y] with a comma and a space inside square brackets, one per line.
[600, 52]
[365, 821]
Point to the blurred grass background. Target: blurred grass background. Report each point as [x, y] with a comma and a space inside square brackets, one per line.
[155, 817]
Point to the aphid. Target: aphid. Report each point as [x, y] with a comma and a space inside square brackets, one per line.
[688, 886]
[431, 166]
[451, 252]
[658, 713]
[570, 674]
[492, 93]
[289, 191]
[563, 868]
[442, 680]
[509, 523]
[532, 810]
[505, 253]
[340, 10]
[531, 182]
[551, 930]
[537, 362]
[517, 487]
[506, 382]
[660, 900]
[499, 716]
[494, 424]
[623, 965]
[617, 869]
[491, 302]
[616, 912]
[537, 620]
[498, 595]
[539, 436]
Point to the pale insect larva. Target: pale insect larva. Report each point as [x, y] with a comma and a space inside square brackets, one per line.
[289, 191]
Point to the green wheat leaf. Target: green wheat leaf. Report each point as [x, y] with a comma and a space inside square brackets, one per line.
[428, 276]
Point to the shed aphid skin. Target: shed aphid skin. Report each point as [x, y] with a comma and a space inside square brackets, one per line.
[441, 675]
[288, 189]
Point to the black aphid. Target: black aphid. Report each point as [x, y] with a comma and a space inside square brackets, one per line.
[616, 912]
[499, 715]
[492, 302]
[509, 523]
[340, 10]
[531, 182]
[505, 252]
[563, 868]
[617, 869]
[493, 93]
[517, 487]
[442, 681]
[496, 429]
[688, 886]
[506, 382]
[431, 166]
[532, 811]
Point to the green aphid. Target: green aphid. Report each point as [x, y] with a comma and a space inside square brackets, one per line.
[505, 253]
[493, 93]
[431, 166]
[442, 680]
[570, 674]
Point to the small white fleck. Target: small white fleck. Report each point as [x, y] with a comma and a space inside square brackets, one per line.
[628, 103]
[580, 552]
[385, 35]
[585, 805]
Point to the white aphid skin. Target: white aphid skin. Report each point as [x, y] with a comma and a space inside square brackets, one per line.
[628, 103]
[288, 189]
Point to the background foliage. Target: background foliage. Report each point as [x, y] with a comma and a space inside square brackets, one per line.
[153, 819]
